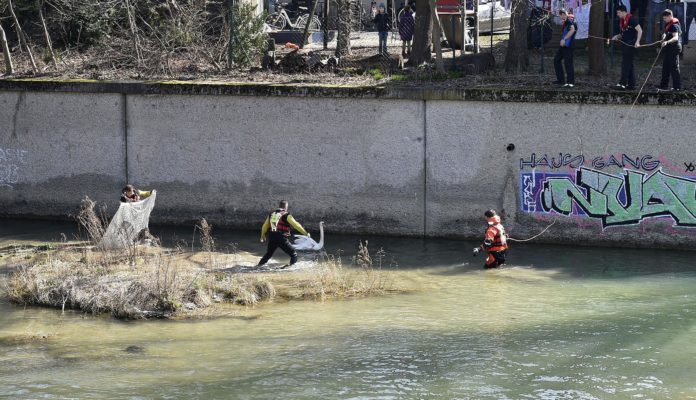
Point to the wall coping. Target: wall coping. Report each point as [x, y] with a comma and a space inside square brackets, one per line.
[385, 91]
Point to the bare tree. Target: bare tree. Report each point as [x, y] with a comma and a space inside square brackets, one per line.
[23, 40]
[344, 22]
[134, 31]
[9, 69]
[517, 55]
[49, 44]
[437, 41]
[422, 35]
[305, 33]
[597, 63]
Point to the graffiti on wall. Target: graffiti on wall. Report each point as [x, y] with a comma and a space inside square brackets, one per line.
[637, 189]
[11, 163]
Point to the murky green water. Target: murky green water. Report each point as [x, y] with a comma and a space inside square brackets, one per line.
[558, 323]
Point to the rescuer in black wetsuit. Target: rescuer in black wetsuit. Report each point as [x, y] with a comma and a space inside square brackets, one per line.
[276, 229]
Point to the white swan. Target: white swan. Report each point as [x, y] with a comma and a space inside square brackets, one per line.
[306, 243]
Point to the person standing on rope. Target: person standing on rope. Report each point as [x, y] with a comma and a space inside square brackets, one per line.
[565, 51]
[629, 36]
[276, 229]
[671, 47]
[495, 241]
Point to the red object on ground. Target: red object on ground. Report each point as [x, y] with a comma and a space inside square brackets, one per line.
[289, 45]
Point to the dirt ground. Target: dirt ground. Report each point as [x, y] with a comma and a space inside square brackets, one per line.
[365, 67]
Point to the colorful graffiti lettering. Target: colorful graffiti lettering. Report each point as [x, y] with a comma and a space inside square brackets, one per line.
[626, 198]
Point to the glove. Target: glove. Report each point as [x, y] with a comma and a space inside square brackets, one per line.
[476, 251]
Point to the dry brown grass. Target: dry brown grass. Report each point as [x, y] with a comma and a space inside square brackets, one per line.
[332, 279]
[160, 283]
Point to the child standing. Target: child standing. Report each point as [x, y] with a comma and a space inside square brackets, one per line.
[382, 23]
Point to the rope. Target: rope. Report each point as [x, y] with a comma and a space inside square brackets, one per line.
[533, 237]
[624, 43]
[659, 51]
[641, 88]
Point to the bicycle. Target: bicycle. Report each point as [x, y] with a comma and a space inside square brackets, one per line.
[279, 20]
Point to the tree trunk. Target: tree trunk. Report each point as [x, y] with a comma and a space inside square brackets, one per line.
[325, 28]
[23, 41]
[9, 69]
[422, 35]
[344, 21]
[49, 44]
[596, 60]
[134, 31]
[437, 41]
[305, 34]
[517, 55]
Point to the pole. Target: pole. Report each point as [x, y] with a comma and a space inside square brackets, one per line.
[462, 9]
[326, 24]
[454, 38]
[613, 20]
[477, 28]
[492, 3]
[541, 54]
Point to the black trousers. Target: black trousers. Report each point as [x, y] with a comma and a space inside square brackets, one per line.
[495, 259]
[564, 54]
[670, 67]
[278, 240]
[628, 74]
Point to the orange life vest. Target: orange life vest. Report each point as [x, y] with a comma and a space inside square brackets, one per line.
[496, 235]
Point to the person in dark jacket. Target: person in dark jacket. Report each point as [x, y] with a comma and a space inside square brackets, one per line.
[406, 27]
[383, 26]
[670, 51]
[565, 51]
[629, 37]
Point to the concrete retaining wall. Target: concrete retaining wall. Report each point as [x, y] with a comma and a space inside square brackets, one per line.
[356, 164]
[56, 148]
[607, 174]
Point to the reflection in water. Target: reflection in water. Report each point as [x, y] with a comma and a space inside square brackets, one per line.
[559, 322]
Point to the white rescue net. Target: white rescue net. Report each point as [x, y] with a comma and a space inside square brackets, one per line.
[128, 223]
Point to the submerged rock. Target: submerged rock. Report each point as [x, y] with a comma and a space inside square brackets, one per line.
[134, 349]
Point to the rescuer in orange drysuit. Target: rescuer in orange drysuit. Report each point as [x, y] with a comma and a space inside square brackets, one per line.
[495, 241]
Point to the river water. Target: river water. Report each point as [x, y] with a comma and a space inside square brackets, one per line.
[557, 323]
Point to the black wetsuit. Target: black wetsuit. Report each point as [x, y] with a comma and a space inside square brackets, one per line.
[278, 240]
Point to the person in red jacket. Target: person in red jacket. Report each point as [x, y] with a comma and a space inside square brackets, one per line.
[495, 241]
